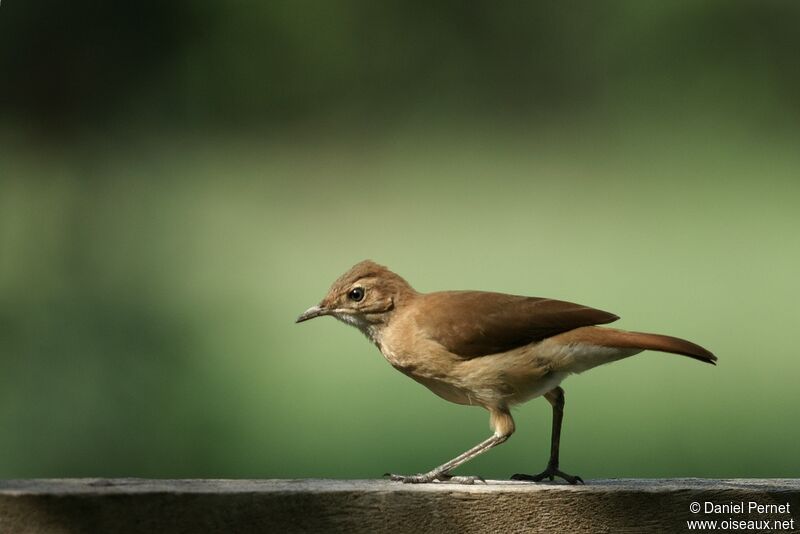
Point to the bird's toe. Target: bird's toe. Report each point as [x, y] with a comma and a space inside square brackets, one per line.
[550, 473]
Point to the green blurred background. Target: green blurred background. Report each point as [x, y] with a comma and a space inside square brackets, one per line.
[179, 180]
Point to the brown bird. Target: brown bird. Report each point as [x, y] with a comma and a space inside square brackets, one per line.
[485, 349]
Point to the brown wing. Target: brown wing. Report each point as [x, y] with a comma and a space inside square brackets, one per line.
[477, 323]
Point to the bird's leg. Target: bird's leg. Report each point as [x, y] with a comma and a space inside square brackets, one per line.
[441, 473]
[556, 398]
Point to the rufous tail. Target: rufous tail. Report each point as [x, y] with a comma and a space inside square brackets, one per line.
[609, 337]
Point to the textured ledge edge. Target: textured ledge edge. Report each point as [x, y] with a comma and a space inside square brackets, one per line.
[314, 505]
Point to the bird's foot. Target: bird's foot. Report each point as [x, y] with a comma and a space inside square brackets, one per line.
[460, 479]
[551, 472]
[435, 476]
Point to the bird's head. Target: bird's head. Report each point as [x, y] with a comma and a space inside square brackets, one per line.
[365, 296]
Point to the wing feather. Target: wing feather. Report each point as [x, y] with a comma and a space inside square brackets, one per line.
[477, 323]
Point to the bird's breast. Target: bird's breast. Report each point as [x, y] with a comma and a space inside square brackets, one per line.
[397, 359]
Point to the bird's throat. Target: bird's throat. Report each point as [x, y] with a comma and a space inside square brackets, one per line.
[371, 330]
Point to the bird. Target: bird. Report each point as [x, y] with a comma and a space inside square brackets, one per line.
[486, 349]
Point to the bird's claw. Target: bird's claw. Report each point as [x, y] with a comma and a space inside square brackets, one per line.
[551, 473]
[433, 476]
[410, 479]
[460, 479]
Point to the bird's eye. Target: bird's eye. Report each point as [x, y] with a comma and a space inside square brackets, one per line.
[356, 294]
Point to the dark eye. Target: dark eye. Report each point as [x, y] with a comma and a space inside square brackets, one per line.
[356, 294]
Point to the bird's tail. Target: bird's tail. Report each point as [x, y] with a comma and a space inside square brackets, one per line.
[661, 343]
[583, 348]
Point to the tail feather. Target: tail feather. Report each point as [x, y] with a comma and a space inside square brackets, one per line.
[618, 344]
[644, 341]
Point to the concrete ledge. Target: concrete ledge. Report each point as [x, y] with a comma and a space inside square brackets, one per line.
[194, 506]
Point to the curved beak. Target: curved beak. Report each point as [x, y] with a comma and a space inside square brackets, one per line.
[313, 311]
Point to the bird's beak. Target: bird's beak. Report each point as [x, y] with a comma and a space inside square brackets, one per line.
[313, 311]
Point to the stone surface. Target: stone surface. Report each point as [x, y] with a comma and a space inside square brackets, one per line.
[177, 506]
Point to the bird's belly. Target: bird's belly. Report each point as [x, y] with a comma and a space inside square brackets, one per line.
[490, 387]
[448, 391]
[497, 380]
[510, 378]
[491, 393]
[536, 388]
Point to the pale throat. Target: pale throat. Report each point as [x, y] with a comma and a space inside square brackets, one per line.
[371, 330]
